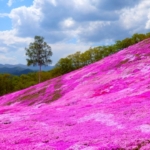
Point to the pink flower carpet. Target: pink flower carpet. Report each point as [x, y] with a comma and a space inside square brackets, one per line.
[103, 106]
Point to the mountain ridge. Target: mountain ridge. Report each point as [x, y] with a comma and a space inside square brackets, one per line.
[44, 68]
[21, 69]
[15, 71]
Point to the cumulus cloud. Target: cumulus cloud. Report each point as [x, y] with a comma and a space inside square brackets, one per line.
[10, 38]
[10, 2]
[89, 22]
[26, 20]
[130, 20]
[57, 19]
[147, 26]
[68, 23]
[136, 19]
[12, 47]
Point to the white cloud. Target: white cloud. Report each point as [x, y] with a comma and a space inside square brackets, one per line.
[25, 16]
[53, 2]
[56, 19]
[12, 49]
[73, 25]
[147, 26]
[10, 38]
[10, 2]
[7, 60]
[67, 23]
[84, 5]
[136, 17]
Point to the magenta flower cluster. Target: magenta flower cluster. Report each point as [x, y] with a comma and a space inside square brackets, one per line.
[103, 106]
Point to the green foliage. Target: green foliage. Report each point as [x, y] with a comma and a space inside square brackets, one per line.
[64, 65]
[5, 83]
[137, 38]
[123, 44]
[38, 53]
[78, 60]
[130, 41]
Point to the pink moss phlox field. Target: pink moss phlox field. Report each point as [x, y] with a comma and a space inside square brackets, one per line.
[103, 106]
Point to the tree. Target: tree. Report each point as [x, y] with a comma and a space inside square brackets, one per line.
[38, 53]
[137, 38]
[64, 65]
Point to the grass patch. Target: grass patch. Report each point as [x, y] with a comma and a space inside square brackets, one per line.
[122, 63]
[57, 91]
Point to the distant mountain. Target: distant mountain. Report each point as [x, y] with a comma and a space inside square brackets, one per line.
[15, 70]
[35, 68]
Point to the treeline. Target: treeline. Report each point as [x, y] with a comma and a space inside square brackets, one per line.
[78, 60]
[10, 83]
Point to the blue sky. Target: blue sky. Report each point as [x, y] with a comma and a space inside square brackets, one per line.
[68, 26]
[6, 7]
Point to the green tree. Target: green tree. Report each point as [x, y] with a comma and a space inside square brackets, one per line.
[38, 53]
[64, 65]
[75, 60]
[137, 38]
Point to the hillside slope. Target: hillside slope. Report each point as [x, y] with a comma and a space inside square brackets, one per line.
[103, 106]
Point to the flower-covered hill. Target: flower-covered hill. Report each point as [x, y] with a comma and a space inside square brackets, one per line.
[103, 106]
